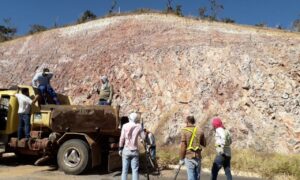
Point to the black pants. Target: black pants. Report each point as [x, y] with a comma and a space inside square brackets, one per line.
[219, 162]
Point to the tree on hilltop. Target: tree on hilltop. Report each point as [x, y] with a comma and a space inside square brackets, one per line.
[178, 10]
[113, 7]
[169, 6]
[262, 24]
[7, 31]
[215, 8]
[202, 12]
[86, 16]
[36, 28]
[228, 20]
[296, 25]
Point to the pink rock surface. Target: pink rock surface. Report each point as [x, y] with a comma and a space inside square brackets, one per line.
[169, 67]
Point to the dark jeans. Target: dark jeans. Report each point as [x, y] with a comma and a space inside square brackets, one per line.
[24, 121]
[152, 150]
[44, 89]
[219, 162]
[103, 102]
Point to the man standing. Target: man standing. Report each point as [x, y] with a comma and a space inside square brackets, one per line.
[128, 146]
[192, 138]
[150, 142]
[105, 92]
[222, 143]
[41, 80]
[24, 112]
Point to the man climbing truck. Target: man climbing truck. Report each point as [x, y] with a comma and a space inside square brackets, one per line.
[78, 136]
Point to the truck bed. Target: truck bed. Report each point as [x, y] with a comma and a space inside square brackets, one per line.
[85, 119]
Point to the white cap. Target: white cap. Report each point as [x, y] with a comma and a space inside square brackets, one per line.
[104, 78]
[133, 117]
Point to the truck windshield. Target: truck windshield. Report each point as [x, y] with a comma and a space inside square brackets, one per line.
[4, 106]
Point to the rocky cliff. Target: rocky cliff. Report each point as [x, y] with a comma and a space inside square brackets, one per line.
[169, 67]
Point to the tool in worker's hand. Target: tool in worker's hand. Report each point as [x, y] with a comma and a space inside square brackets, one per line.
[177, 171]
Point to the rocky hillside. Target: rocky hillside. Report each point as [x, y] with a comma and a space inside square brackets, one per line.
[169, 67]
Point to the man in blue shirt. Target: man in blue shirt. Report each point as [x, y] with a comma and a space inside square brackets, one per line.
[41, 80]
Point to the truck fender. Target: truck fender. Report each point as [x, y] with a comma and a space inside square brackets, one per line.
[95, 149]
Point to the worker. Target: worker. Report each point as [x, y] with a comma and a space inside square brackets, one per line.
[24, 112]
[192, 138]
[105, 92]
[128, 146]
[41, 80]
[222, 143]
[150, 143]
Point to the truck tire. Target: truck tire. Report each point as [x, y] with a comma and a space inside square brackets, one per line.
[73, 156]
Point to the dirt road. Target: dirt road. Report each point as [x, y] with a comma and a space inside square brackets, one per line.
[11, 169]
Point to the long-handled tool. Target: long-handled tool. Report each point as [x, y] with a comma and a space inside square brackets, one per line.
[146, 152]
[177, 171]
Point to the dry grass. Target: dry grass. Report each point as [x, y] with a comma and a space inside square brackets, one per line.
[267, 165]
[167, 155]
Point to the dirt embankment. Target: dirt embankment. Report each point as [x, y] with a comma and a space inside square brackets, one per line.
[169, 67]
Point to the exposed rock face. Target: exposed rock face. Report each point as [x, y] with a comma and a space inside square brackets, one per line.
[170, 67]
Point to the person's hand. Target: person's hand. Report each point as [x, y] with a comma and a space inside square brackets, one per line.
[147, 149]
[120, 152]
[181, 162]
[220, 150]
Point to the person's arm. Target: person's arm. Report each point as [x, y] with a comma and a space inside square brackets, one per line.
[150, 138]
[49, 75]
[111, 91]
[34, 80]
[35, 99]
[142, 134]
[122, 139]
[91, 92]
[183, 146]
[97, 89]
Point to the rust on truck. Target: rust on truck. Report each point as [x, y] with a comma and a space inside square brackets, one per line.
[84, 119]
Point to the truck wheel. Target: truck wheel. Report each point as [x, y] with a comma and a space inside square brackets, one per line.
[73, 156]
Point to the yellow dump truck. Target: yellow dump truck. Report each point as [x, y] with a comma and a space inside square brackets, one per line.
[78, 136]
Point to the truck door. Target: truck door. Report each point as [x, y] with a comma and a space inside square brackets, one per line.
[4, 107]
[4, 111]
[8, 114]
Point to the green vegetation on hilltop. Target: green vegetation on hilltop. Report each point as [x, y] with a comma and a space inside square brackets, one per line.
[210, 13]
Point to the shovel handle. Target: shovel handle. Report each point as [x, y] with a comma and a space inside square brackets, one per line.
[177, 172]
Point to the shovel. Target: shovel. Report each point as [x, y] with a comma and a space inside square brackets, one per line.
[177, 172]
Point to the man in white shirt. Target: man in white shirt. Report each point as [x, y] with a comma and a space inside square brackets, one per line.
[24, 112]
[128, 146]
[41, 80]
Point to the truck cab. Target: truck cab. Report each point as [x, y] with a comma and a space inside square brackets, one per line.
[9, 111]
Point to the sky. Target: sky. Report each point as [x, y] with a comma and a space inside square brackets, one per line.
[24, 13]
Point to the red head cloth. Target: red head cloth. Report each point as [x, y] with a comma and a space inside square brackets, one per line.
[216, 123]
